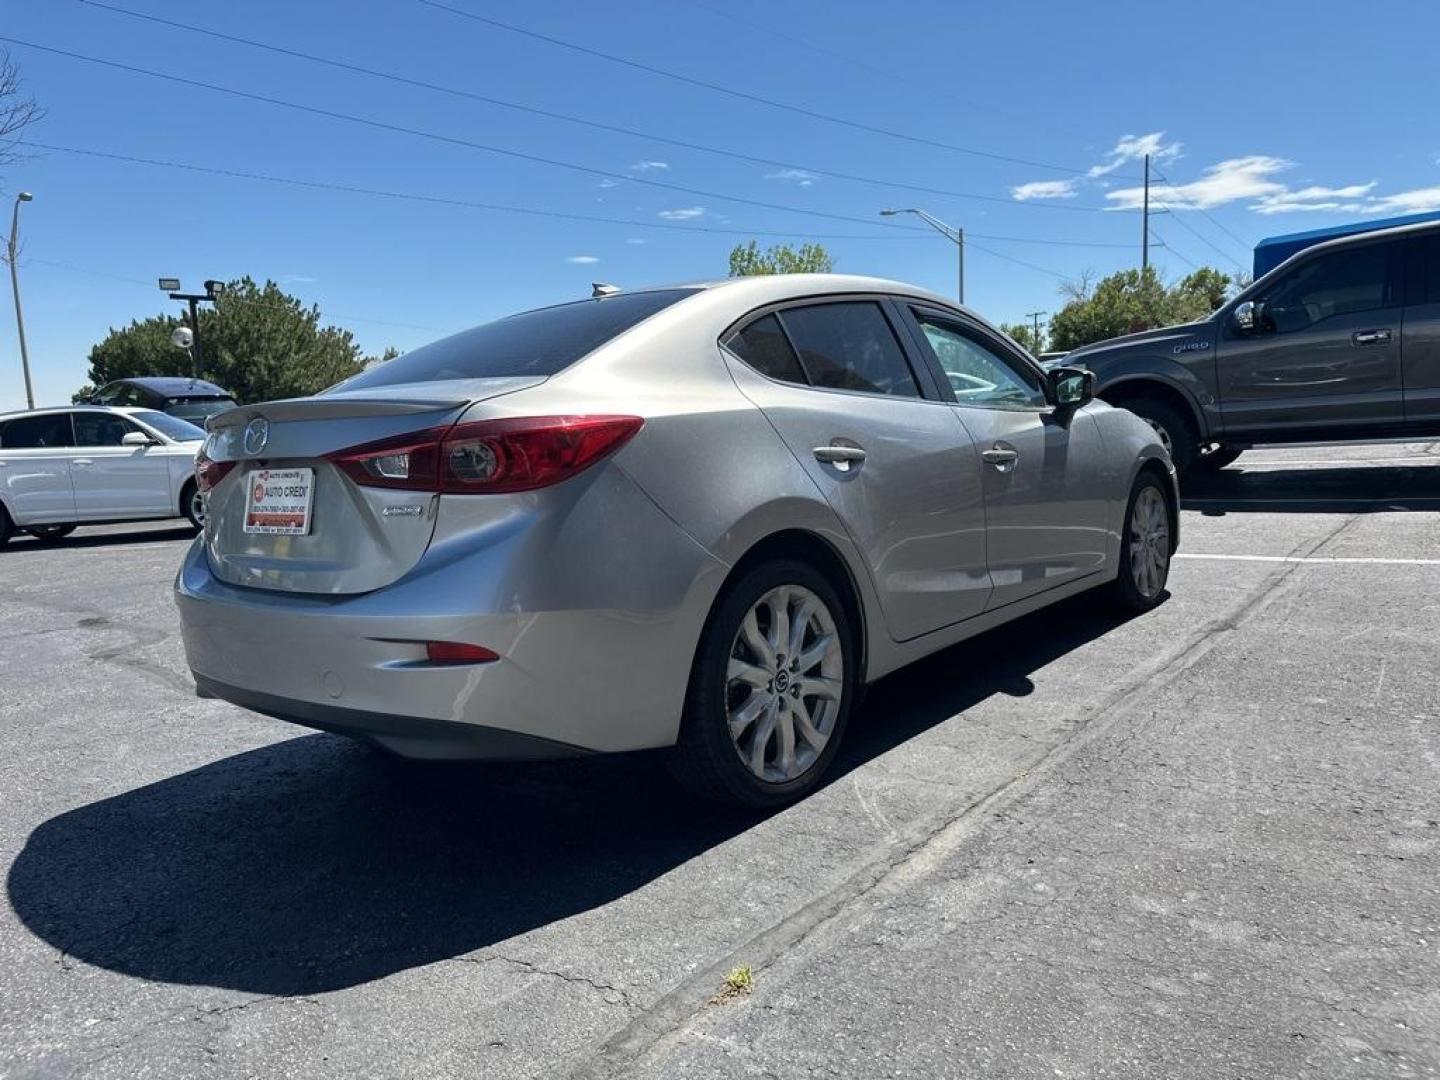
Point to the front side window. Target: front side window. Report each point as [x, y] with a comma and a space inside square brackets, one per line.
[1342, 282]
[101, 429]
[850, 346]
[537, 343]
[765, 348]
[977, 374]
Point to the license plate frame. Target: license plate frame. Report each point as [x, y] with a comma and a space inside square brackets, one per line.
[285, 497]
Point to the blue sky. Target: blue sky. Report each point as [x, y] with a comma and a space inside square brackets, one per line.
[1264, 118]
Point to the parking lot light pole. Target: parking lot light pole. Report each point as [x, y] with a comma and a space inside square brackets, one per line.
[957, 235]
[212, 290]
[12, 247]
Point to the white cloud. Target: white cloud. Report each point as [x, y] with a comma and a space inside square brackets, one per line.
[1134, 148]
[689, 213]
[1225, 182]
[649, 166]
[607, 183]
[582, 260]
[1044, 189]
[1314, 198]
[1417, 201]
[635, 240]
[802, 177]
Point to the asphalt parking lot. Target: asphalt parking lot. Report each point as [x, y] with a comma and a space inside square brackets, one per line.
[1200, 843]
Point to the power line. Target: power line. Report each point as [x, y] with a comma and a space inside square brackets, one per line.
[450, 139]
[744, 96]
[1175, 217]
[1017, 262]
[1207, 216]
[423, 84]
[1156, 233]
[443, 200]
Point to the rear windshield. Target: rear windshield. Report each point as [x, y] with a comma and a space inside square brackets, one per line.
[533, 343]
[198, 409]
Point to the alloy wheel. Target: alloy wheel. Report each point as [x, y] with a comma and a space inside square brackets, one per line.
[1164, 435]
[197, 506]
[784, 683]
[1149, 541]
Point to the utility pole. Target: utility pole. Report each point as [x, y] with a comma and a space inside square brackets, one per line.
[1145, 222]
[1034, 317]
[13, 246]
[212, 289]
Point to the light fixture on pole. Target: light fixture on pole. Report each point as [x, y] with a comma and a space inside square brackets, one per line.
[12, 247]
[948, 231]
[213, 289]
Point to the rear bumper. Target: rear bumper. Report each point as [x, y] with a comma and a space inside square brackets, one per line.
[595, 622]
[409, 736]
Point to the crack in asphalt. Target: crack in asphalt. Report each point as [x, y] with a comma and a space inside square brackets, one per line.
[917, 849]
[534, 969]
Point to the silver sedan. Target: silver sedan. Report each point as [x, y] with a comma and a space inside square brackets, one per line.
[698, 518]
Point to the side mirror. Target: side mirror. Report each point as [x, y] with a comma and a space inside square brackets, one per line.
[136, 438]
[1247, 317]
[1071, 387]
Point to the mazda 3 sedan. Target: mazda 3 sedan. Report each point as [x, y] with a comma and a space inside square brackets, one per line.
[698, 518]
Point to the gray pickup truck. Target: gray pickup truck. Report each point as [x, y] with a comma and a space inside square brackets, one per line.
[1340, 342]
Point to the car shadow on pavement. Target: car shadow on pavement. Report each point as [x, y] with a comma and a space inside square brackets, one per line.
[1325, 490]
[22, 541]
[315, 864]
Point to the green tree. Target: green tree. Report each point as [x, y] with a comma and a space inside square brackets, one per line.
[259, 342]
[1024, 333]
[1134, 300]
[747, 260]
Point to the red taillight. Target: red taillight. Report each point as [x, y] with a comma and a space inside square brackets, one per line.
[458, 652]
[489, 456]
[209, 473]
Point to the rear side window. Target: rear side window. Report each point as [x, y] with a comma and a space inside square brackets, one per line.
[171, 426]
[850, 346]
[764, 347]
[1341, 282]
[539, 342]
[37, 432]
[1422, 271]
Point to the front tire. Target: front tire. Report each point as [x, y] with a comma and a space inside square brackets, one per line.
[1144, 547]
[770, 691]
[1174, 429]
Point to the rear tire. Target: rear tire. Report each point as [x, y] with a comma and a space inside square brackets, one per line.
[50, 532]
[776, 666]
[192, 505]
[7, 527]
[1145, 541]
[1175, 429]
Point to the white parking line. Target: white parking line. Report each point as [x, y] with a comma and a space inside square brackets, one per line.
[1308, 559]
[1260, 500]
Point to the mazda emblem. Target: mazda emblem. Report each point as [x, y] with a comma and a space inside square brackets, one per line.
[257, 434]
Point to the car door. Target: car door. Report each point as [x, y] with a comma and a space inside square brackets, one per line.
[35, 468]
[112, 480]
[1041, 468]
[1325, 352]
[893, 462]
[1420, 336]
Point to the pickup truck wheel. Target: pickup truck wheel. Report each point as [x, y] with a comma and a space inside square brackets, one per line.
[1175, 430]
[1216, 459]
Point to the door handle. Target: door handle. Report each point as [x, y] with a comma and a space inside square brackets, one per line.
[81, 461]
[999, 456]
[1370, 337]
[842, 457]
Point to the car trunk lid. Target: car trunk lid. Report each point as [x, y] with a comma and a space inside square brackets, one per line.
[355, 538]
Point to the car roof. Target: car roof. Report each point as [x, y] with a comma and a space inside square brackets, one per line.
[170, 385]
[81, 406]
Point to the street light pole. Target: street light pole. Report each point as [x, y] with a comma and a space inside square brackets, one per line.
[948, 231]
[13, 246]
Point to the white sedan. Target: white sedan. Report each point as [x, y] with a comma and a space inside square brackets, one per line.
[91, 464]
